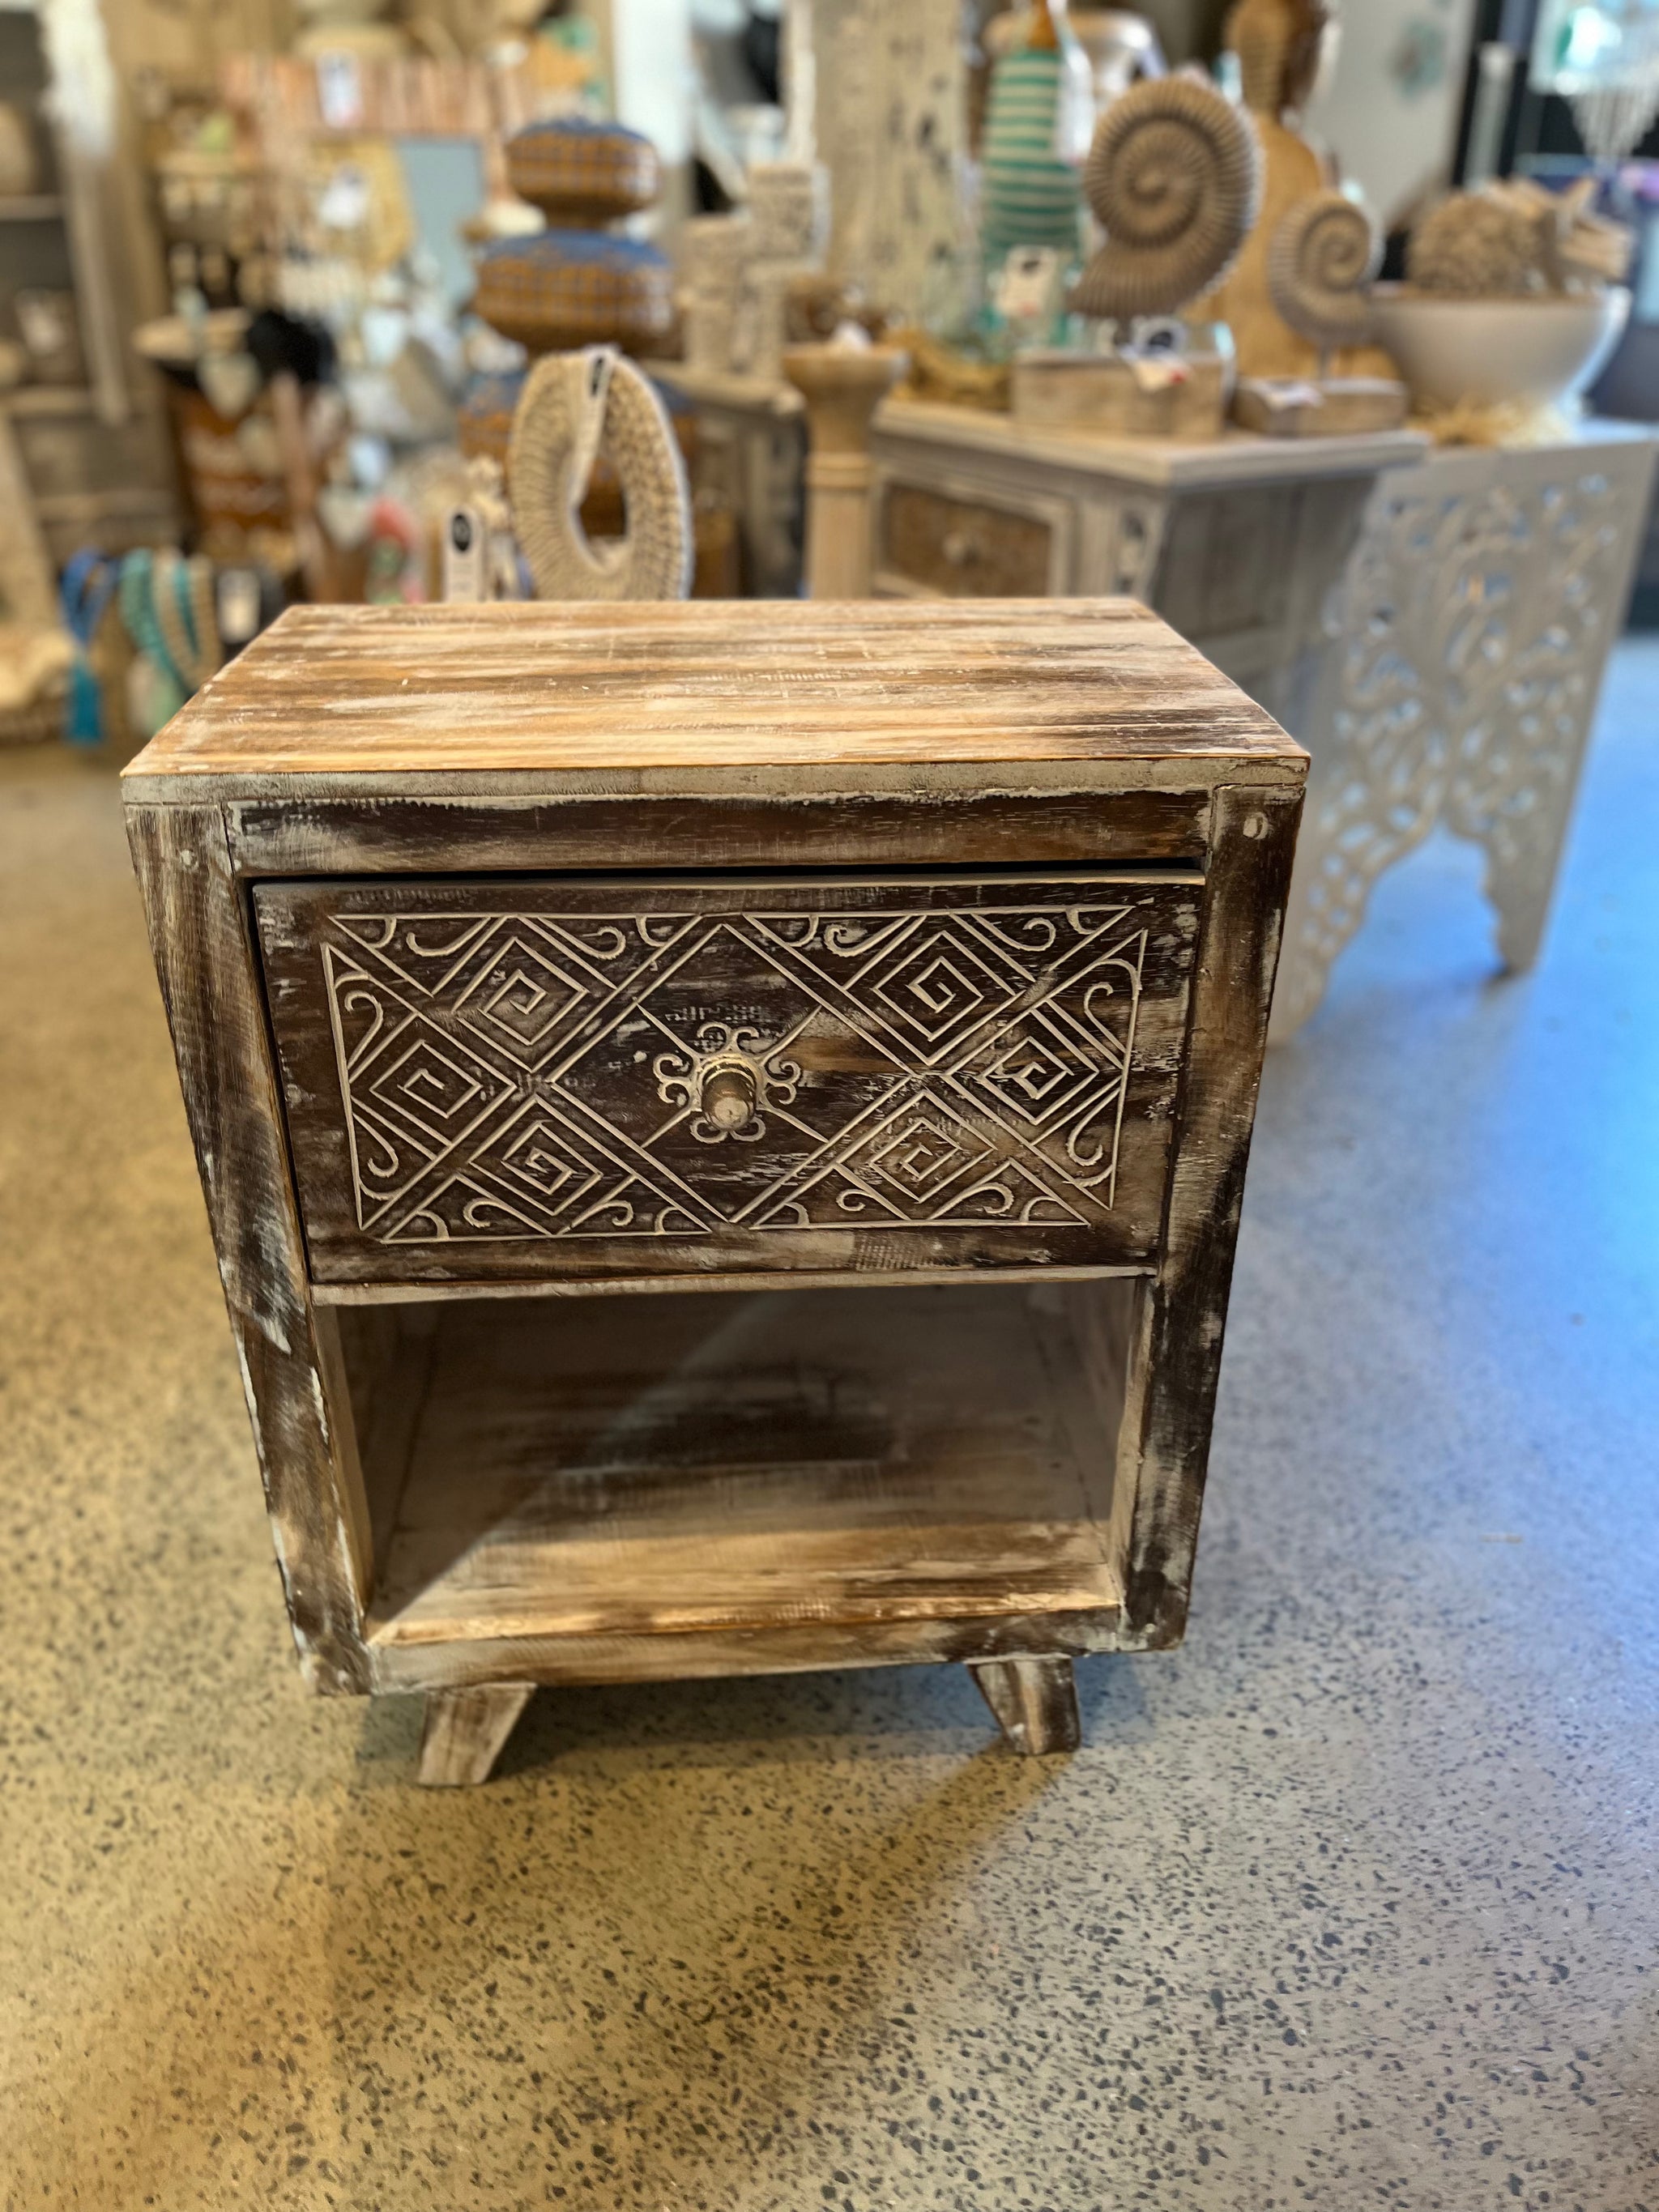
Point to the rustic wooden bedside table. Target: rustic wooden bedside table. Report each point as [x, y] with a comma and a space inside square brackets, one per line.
[724, 1128]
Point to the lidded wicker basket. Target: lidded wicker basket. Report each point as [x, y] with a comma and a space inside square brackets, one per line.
[581, 172]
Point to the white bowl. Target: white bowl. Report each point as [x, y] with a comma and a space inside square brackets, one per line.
[1490, 351]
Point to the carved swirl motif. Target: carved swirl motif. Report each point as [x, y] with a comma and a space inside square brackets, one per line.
[1470, 634]
[1175, 176]
[1320, 267]
[551, 1074]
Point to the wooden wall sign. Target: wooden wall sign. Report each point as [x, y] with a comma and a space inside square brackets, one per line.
[879, 991]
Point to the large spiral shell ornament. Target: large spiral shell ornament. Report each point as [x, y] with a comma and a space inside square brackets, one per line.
[1324, 257]
[1174, 177]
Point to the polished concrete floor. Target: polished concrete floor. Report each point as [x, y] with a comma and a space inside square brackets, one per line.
[1351, 1903]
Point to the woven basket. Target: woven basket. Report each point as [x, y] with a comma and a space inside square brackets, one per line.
[583, 172]
[562, 289]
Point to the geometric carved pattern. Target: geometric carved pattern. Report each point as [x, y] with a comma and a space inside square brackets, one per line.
[539, 1075]
[1469, 636]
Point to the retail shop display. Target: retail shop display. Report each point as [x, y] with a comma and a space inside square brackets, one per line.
[1280, 47]
[1038, 119]
[842, 386]
[1514, 299]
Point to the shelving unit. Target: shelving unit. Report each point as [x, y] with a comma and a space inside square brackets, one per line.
[558, 1473]
[96, 469]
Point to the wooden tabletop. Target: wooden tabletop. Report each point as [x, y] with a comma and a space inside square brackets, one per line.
[711, 692]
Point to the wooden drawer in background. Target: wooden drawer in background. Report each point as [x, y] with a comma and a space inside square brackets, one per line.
[963, 548]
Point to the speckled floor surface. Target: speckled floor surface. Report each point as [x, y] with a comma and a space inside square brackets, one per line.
[1351, 1903]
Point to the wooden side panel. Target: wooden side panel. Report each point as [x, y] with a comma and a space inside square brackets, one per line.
[1176, 1356]
[515, 1079]
[209, 983]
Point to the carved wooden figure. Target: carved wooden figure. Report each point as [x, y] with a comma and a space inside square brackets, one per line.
[1281, 47]
[879, 992]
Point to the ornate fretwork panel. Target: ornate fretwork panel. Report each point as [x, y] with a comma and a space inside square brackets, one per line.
[1470, 634]
[911, 1058]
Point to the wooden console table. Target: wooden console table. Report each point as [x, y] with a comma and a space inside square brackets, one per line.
[1235, 541]
[752, 457]
[723, 1128]
[1469, 636]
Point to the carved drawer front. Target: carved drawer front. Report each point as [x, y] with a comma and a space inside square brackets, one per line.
[964, 548]
[545, 1077]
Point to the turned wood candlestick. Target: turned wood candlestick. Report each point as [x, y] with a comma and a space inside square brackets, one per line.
[842, 386]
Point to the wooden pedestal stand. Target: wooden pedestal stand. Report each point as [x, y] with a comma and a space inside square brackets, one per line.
[843, 386]
[723, 1129]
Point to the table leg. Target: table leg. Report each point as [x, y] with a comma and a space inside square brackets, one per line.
[466, 1731]
[1034, 1701]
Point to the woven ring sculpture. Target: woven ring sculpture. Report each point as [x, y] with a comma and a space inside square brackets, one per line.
[1320, 266]
[576, 406]
[1175, 176]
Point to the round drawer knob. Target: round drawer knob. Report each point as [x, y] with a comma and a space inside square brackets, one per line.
[959, 549]
[729, 1096]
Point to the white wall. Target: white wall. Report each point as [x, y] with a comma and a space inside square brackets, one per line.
[647, 49]
[1392, 135]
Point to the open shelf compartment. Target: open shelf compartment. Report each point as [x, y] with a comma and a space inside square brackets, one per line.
[735, 1463]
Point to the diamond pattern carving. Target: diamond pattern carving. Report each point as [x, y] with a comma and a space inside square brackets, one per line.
[526, 1075]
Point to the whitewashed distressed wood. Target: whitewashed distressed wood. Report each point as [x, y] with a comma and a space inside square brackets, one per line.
[1034, 1701]
[626, 698]
[1468, 639]
[466, 1731]
[475, 1498]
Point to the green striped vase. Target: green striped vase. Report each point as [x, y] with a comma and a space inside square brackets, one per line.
[1028, 196]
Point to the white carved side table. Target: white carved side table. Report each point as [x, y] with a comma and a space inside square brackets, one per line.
[1471, 632]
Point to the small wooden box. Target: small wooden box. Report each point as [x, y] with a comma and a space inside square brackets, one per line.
[724, 1128]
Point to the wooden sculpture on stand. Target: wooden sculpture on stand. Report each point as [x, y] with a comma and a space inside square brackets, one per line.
[1324, 258]
[1174, 177]
[843, 382]
[1281, 45]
